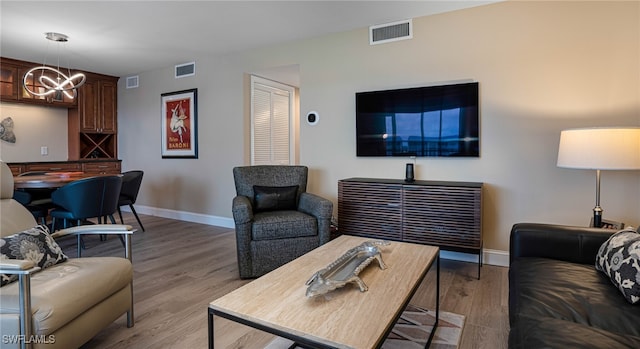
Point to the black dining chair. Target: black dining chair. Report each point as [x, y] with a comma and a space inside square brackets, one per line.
[39, 196]
[131, 181]
[39, 199]
[39, 212]
[78, 201]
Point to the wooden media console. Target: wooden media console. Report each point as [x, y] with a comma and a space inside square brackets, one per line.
[440, 213]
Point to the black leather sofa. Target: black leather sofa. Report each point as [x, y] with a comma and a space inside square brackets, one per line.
[557, 299]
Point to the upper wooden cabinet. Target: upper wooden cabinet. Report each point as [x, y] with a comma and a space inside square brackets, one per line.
[97, 105]
[8, 81]
[93, 125]
[92, 115]
[59, 98]
[13, 73]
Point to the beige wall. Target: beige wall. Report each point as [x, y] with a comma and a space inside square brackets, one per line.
[542, 67]
[35, 127]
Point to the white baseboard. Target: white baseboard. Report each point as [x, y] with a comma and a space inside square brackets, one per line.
[491, 257]
[184, 216]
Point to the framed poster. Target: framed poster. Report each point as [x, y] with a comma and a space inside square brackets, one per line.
[180, 124]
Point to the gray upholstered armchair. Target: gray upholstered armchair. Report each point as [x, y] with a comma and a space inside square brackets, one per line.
[276, 219]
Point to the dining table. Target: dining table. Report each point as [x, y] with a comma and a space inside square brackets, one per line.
[51, 180]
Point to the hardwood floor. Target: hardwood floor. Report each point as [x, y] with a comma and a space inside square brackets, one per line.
[179, 267]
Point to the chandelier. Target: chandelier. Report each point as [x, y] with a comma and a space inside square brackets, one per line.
[53, 80]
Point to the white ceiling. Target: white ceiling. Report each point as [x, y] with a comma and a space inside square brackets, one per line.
[124, 38]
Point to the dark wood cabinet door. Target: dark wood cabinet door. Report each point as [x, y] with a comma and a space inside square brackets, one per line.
[53, 166]
[108, 97]
[97, 118]
[101, 167]
[98, 112]
[88, 107]
[9, 82]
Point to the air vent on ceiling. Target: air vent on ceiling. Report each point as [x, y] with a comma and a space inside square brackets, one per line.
[383, 33]
[186, 69]
[132, 81]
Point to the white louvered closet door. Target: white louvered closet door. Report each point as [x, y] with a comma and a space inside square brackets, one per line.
[271, 123]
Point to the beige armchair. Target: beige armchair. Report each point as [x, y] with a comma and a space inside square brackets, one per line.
[63, 305]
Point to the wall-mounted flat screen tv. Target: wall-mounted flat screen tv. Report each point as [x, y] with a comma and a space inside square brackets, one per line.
[422, 121]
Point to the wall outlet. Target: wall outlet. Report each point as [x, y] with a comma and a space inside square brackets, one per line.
[44, 150]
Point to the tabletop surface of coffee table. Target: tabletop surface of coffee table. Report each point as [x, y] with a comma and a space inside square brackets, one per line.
[343, 318]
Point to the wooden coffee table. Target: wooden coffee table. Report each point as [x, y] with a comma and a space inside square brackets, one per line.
[344, 318]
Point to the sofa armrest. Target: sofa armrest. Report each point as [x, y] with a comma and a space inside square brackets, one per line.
[95, 229]
[17, 266]
[561, 242]
[125, 232]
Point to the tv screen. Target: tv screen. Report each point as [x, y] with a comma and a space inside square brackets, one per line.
[422, 121]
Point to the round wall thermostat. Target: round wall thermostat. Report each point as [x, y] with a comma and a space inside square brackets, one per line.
[313, 117]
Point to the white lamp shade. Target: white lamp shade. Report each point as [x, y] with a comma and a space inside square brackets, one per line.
[600, 148]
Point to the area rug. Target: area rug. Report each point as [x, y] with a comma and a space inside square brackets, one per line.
[411, 331]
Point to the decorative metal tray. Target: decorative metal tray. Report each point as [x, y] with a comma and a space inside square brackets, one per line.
[345, 269]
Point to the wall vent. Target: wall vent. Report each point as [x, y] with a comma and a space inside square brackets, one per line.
[383, 33]
[132, 81]
[185, 69]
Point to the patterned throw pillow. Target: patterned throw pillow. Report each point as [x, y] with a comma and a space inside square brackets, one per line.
[35, 244]
[619, 259]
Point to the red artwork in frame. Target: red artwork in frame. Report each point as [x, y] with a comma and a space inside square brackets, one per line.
[179, 124]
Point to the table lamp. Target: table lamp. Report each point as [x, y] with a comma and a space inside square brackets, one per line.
[607, 148]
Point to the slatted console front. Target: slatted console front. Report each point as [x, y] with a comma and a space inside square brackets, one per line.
[440, 213]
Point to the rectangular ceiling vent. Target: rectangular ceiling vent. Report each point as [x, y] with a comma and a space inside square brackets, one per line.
[383, 33]
[186, 69]
[132, 81]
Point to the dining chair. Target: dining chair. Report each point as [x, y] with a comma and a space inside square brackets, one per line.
[131, 181]
[92, 197]
[38, 200]
[39, 196]
[40, 213]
